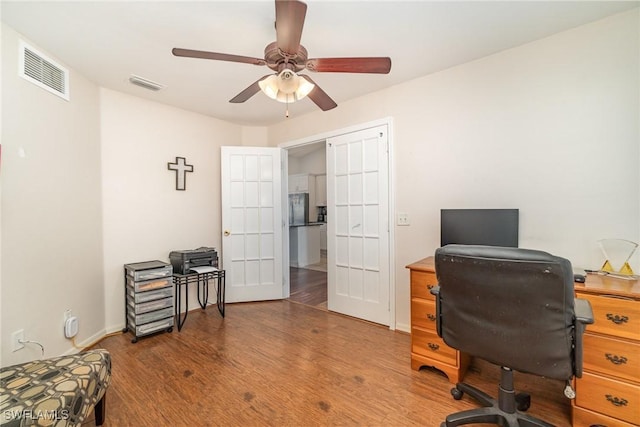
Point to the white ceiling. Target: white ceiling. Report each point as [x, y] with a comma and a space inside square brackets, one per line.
[107, 41]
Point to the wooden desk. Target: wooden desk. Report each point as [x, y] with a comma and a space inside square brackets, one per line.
[427, 348]
[608, 394]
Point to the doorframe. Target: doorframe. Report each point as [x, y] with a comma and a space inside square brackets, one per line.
[387, 121]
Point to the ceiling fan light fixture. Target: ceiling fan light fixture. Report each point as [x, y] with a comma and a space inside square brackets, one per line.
[286, 87]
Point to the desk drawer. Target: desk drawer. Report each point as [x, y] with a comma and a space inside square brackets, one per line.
[429, 344]
[421, 284]
[614, 316]
[612, 357]
[611, 397]
[423, 313]
[584, 418]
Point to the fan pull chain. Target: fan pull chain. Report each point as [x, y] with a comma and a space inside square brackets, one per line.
[286, 114]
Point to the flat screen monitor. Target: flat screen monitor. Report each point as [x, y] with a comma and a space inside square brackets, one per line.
[490, 227]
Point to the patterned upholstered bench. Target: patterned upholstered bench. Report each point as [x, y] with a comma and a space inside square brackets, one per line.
[60, 391]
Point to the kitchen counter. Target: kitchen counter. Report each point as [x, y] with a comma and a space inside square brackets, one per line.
[307, 224]
[304, 244]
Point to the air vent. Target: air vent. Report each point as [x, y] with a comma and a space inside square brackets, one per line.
[145, 83]
[42, 71]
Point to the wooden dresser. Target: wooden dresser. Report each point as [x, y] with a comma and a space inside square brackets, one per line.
[427, 348]
[608, 394]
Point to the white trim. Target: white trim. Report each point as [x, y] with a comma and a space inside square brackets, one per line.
[387, 121]
[286, 279]
[403, 327]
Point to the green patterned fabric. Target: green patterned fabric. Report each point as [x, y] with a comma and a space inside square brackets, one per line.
[60, 391]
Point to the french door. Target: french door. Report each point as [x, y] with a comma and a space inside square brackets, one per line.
[252, 223]
[358, 224]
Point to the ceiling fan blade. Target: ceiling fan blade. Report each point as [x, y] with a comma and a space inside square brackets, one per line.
[217, 56]
[289, 22]
[377, 65]
[248, 92]
[319, 97]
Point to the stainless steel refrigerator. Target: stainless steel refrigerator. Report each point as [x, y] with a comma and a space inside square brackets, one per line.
[298, 209]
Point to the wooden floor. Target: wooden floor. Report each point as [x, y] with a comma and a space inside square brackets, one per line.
[281, 363]
[308, 287]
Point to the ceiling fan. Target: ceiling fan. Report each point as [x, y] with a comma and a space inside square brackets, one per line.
[287, 57]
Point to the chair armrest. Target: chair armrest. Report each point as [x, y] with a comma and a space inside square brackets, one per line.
[584, 317]
[583, 311]
[435, 291]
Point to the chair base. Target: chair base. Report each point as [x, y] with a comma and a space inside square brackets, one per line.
[501, 412]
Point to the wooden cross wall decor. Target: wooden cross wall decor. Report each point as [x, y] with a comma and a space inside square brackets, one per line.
[181, 167]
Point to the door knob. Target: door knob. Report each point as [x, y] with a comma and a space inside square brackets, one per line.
[227, 233]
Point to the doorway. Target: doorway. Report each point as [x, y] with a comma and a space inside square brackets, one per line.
[360, 242]
[308, 277]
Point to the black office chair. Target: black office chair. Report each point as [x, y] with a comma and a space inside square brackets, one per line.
[514, 308]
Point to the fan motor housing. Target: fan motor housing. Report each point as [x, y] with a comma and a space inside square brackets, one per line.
[278, 60]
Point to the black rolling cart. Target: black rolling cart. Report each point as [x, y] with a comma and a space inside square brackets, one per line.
[148, 298]
[202, 281]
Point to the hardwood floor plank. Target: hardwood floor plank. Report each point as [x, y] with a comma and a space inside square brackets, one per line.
[278, 363]
[308, 287]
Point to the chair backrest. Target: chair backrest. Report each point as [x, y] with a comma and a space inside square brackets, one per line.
[512, 307]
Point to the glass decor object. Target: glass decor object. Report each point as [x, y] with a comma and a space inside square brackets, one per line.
[617, 253]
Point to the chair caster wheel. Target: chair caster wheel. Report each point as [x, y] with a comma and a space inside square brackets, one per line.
[523, 401]
[457, 394]
[170, 329]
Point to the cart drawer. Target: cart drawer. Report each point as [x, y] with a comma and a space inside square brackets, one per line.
[145, 307]
[139, 297]
[150, 274]
[149, 285]
[150, 328]
[152, 316]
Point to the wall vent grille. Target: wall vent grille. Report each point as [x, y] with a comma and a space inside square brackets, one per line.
[42, 71]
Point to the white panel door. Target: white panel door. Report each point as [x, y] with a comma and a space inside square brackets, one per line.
[358, 226]
[252, 223]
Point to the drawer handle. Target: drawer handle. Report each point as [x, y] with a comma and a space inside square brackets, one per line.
[433, 347]
[617, 319]
[431, 317]
[616, 360]
[616, 401]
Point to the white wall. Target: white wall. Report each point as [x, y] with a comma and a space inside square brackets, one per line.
[145, 218]
[314, 162]
[254, 136]
[51, 211]
[551, 128]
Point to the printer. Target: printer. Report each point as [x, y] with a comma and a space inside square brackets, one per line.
[185, 260]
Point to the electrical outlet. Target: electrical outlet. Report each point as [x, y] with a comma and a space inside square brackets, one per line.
[403, 219]
[16, 337]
